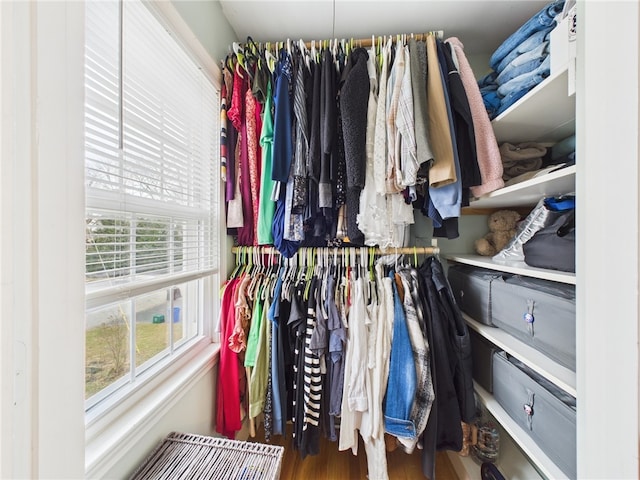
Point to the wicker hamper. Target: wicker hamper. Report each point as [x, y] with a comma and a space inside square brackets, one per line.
[188, 456]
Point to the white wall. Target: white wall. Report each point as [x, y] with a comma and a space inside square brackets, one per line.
[194, 413]
[208, 23]
[42, 289]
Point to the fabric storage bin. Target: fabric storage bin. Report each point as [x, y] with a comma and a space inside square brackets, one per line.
[471, 288]
[482, 354]
[539, 312]
[545, 412]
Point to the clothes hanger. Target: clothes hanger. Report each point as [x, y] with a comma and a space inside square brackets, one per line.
[304, 52]
[239, 53]
[270, 59]
[310, 272]
[235, 271]
[285, 292]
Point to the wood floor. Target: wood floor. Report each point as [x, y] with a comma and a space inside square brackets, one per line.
[332, 464]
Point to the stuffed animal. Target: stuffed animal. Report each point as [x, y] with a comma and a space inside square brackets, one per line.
[502, 228]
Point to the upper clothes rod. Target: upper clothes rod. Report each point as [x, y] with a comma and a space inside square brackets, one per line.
[360, 42]
[367, 42]
[376, 251]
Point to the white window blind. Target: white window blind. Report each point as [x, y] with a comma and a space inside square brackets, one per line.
[151, 252]
[151, 143]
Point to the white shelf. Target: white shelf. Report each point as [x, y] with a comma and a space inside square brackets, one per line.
[521, 269]
[545, 114]
[526, 444]
[557, 374]
[529, 192]
[512, 463]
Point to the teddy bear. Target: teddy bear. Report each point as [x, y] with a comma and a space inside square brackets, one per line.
[502, 228]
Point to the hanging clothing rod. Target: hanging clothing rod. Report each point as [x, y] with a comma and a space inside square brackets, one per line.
[376, 251]
[360, 42]
[367, 42]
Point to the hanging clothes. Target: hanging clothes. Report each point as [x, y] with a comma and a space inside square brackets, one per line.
[282, 155]
[448, 201]
[230, 387]
[266, 209]
[463, 124]
[453, 386]
[326, 132]
[381, 346]
[353, 108]
[488, 155]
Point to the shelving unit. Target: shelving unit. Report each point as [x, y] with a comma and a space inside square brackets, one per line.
[523, 269]
[537, 361]
[545, 114]
[525, 194]
[523, 440]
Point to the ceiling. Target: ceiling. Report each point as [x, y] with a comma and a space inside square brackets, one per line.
[481, 25]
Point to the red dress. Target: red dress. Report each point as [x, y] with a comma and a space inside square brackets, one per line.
[230, 382]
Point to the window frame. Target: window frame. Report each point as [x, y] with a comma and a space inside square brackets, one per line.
[102, 410]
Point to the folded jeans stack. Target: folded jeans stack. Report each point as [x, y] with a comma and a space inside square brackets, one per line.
[521, 62]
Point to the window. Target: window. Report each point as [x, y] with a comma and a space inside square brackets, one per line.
[151, 196]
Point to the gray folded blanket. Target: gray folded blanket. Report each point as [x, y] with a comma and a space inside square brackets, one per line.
[521, 158]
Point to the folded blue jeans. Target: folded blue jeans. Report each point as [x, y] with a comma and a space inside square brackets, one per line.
[520, 86]
[527, 79]
[524, 63]
[546, 17]
[529, 44]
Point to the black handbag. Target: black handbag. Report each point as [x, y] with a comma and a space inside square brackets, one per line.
[554, 247]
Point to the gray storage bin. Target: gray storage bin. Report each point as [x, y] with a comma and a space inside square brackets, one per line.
[471, 288]
[539, 312]
[482, 354]
[545, 412]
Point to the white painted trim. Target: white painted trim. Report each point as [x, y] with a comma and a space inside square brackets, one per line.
[42, 216]
[16, 295]
[116, 293]
[607, 247]
[59, 230]
[117, 402]
[119, 432]
[170, 16]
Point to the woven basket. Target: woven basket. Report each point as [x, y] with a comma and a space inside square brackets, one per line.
[187, 456]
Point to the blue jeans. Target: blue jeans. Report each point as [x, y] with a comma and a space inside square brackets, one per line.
[488, 80]
[401, 387]
[491, 101]
[519, 86]
[527, 79]
[541, 20]
[524, 63]
[530, 43]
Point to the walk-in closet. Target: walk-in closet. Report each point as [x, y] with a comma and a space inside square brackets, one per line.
[320, 239]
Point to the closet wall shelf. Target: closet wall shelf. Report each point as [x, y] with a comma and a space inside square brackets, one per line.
[545, 114]
[559, 375]
[513, 464]
[529, 192]
[486, 262]
[543, 463]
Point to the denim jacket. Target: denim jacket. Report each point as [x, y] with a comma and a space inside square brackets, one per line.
[401, 386]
